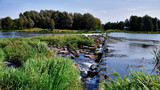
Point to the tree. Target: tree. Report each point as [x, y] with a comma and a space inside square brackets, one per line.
[27, 14]
[0, 24]
[25, 20]
[140, 24]
[7, 23]
[148, 25]
[158, 24]
[133, 23]
[121, 25]
[64, 21]
[52, 25]
[18, 24]
[107, 26]
[127, 23]
[30, 23]
[89, 22]
[155, 24]
[77, 17]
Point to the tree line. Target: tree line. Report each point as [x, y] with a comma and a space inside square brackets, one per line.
[136, 23]
[50, 19]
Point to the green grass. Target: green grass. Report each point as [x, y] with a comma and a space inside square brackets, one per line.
[73, 41]
[36, 66]
[50, 74]
[136, 80]
[54, 31]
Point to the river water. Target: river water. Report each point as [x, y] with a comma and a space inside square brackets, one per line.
[22, 34]
[131, 51]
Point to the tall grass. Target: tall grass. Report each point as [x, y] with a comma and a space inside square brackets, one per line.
[37, 67]
[156, 53]
[18, 51]
[136, 80]
[74, 41]
[49, 74]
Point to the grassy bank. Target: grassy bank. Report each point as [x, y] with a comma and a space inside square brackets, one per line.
[54, 31]
[36, 66]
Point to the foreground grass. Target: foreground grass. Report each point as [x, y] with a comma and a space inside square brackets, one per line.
[136, 80]
[50, 74]
[36, 66]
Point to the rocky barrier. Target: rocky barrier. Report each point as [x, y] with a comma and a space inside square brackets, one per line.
[87, 59]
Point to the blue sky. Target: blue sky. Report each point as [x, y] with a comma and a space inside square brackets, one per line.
[106, 10]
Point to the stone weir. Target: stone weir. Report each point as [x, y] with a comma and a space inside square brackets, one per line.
[93, 70]
[88, 59]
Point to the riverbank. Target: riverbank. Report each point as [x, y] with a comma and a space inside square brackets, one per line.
[61, 58]
[28, 63]
[54, 31]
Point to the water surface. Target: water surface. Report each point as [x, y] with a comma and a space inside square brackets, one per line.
[21, 34]
[131, 51]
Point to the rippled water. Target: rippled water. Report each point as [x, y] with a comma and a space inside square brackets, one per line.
[131, 51]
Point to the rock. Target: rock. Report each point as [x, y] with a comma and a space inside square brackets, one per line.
[91, 48]
[85, 47]
[72, 56]
[93, 67]
[82, 50]
[63, 55]
[75, 53]
[92, 74]
[64, 52]
[83, 73]
[77, 66]
[94, 45]
[106, 50]
[59, 51]
[92, 57]
[49, 45]
[87, 53]
[9, 64]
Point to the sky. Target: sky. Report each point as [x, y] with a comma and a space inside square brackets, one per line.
[105, 10]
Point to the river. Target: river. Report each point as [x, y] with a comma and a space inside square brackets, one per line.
[22, 34]
[131, 51]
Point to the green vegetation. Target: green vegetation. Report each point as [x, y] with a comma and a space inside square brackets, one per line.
[136, 80]
[48, 19]
[135, 23]
[52, 24]
[36, 66]
[56, 73]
